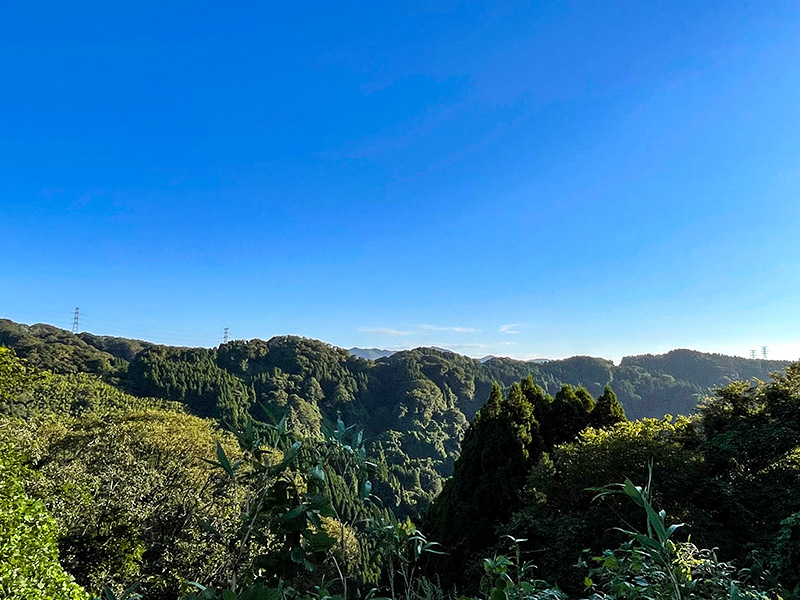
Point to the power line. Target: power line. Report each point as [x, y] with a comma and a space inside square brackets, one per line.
[123, 326]
[128, 328]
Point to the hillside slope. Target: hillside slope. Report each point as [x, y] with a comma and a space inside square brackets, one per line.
[414, 405]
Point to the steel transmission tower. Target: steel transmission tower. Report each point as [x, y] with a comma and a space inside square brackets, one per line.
[225, 336]
[752, 354]
[75, 320]
[764, 352]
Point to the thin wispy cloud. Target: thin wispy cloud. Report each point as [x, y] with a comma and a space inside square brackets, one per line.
[511, 328]
[456, 329]
[383, 331]
[457, 347]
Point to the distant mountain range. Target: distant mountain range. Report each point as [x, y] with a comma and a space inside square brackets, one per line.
[376, 353]
[647, 385]
[413, 404]
[533, 360]
[370, 353]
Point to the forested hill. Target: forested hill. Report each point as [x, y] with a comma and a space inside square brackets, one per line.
[60, 351]
[414, 404]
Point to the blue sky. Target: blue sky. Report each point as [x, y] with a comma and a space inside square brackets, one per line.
[525, 179]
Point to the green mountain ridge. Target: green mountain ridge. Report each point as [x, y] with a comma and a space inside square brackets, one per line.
[413, 405]
[118, 434]
[370, 353]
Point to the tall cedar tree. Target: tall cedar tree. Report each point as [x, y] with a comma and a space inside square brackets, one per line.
[505, 440]
[496, 456]
[607, 410]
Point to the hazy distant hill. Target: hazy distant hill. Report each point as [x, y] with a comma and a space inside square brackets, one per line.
[414, 405]
[370, 353]
[533, 360]
[703, 369]
[647, 385]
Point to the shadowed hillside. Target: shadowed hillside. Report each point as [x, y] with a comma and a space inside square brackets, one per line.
[413, 405]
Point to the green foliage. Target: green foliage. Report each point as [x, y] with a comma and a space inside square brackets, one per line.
[192, 377]
[647, 385]
[413, 406]
[399, 548]
[506, 441]
[128, 593]
[301, 503]
[123, 349]
[26, 392]
[655, 565]
[127, 488]
[29, 567]
[652, 565]
[309, 514]
[408, 405]
[14, 377]
[785, 554]
[560, 519]
[568, 414]
[752, 451]
[672, 570]
[511, 578]
[651, 386]
[297, 510]
[53, 349]
[607, 411]
[703, 369]
[713, 472]
[120, 475]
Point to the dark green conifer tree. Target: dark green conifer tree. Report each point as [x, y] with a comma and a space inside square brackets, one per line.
[498, 449]
[586, 398]
[539, 400]
[568, 415]
[607, 410]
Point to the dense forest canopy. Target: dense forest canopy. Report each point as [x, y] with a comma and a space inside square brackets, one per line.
[271, 467]
[413, 405]
[731, 473]
[647, 385]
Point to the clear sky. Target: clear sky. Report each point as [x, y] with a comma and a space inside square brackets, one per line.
[525, 179]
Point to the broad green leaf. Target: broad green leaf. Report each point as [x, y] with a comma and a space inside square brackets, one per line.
[281, 428]
[294, 513]
[318, 473]
[208, 528]
[108, 593]
[223, 460]
[366, 489]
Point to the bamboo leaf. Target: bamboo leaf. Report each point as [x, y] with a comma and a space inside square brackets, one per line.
[223, 460]
[318, 473]
[207, 527]
[366, 489]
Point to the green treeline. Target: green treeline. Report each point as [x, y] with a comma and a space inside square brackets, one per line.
[731, 473]
[124, 477]
[509, 436]
[292, 469]
[413, 406]
[117, 489]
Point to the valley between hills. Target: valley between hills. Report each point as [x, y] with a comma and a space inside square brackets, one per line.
[443, 440]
